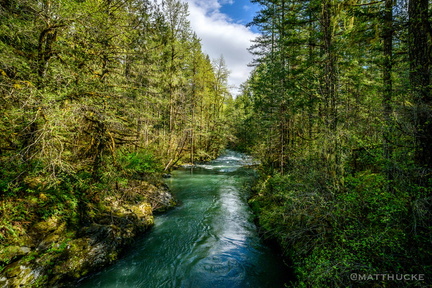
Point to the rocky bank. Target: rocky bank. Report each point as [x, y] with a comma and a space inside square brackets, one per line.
[55, 253]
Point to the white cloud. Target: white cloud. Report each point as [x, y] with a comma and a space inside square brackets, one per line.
[221, 36]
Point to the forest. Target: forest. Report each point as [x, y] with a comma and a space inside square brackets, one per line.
[338, 111]
[100, 97]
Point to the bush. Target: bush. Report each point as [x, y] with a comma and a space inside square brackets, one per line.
[139, 163]
[362, 228]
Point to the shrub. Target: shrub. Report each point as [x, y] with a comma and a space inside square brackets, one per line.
[139, 163]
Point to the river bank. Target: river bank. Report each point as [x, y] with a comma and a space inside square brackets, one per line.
[208, 240]
[57, 251]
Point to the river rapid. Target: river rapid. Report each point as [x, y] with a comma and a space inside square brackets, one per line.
[208, 241]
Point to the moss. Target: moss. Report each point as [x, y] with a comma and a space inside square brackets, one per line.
[59, 251]
[49, 225]
[144, 213]
[9, 253]
[72, 261]
[20, 275]
[13, 270]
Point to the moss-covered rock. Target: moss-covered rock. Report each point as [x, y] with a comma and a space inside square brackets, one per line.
[11, 253]
[62, 253]
[19, 275]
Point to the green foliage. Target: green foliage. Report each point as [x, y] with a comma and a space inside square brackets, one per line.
[333, 117]
[140, 163]
[87, 90]
[364, 229]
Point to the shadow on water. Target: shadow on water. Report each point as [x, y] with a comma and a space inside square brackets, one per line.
[209, 240]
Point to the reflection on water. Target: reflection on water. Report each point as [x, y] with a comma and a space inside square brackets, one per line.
[209, 240]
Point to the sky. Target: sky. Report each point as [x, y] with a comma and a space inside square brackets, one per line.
[221, 26]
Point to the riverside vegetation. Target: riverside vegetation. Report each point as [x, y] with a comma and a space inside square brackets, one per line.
[338, 111]
[99, 97]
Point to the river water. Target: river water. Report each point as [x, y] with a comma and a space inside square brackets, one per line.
[208, 241]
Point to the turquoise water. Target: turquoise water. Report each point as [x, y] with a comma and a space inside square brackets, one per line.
[208, 241]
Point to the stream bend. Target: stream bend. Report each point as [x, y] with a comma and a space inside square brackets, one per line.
[208, 241]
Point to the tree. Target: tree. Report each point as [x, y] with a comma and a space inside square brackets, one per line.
[335, 115]
[89, 89]
[419, 57]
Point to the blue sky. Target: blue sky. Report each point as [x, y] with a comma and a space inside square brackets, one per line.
[241, 11]
[220, 24]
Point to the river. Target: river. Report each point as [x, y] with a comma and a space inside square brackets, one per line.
[208, 241]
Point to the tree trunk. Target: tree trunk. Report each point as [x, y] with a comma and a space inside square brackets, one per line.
[419, 54]
[388, 85]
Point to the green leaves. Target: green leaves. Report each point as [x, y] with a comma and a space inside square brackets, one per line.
[329, 113]
[96, 97]
[140, 163]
